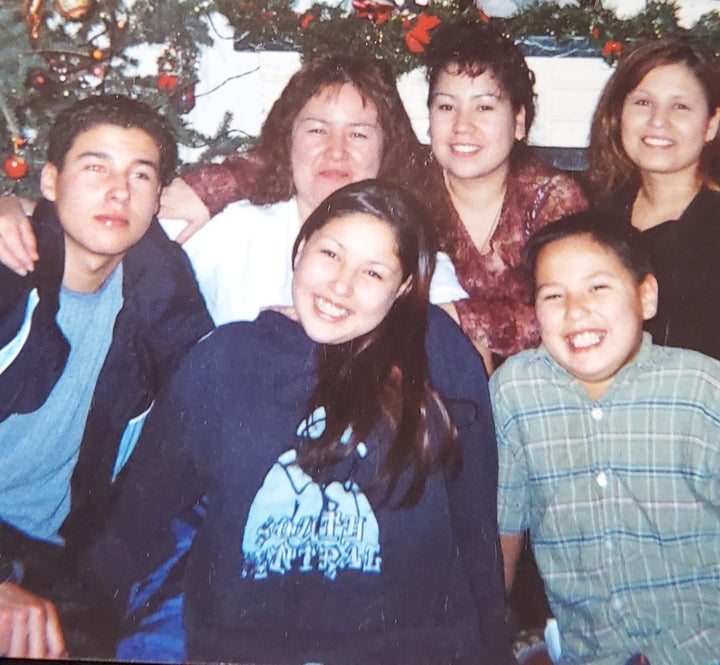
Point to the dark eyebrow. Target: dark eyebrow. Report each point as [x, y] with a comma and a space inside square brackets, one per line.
[323, 121]
[93, 154]
[494, 95]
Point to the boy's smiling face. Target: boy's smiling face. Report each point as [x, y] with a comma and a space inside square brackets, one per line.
[590, 309]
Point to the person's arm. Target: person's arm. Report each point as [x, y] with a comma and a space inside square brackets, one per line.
[480, 347]
[18, 247]
[512, 498]
[511, 545]
[29, 625]
[179, 201]
[162, 478]
[205, 191]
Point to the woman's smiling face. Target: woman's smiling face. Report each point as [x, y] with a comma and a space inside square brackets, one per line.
[473, 126]
[665, 121]
[347, 278]
[336, 140]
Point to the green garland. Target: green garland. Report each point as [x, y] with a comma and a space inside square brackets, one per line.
[71, 58]
[397, 34]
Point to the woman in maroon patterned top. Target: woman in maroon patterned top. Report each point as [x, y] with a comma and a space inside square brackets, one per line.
[481, 103]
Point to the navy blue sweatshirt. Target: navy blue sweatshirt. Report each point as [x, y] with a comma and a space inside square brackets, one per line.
[288, 570]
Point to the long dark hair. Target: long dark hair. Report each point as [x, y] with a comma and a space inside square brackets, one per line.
[609, 165]
[382, 377]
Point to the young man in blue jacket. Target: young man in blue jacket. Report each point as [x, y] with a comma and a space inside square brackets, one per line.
[86, 340]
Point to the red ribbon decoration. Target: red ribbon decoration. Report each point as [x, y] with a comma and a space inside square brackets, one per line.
[612, 48]
[377, 12]
[419, 36]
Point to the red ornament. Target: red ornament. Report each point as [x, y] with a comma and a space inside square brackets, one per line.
[306, 19]
[15, 167]
[99, 71]
[418, 37]
[612, 49]
[167, 81]
[72, 10]
[377, 12]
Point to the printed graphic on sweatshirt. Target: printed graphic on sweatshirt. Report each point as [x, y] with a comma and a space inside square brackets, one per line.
[296, 524]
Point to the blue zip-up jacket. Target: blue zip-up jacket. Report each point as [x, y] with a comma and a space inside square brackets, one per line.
[162, 316]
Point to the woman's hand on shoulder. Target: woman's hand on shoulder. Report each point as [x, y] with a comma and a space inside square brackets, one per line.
[18, 247]
[179, 201]
[29, 625]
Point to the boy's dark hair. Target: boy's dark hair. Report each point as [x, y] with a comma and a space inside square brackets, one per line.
[604, 228]
[112, 110]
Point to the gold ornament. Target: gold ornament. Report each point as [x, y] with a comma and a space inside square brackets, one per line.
[31, 14]
[72, 10]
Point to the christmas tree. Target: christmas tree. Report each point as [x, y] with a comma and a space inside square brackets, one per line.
[54, 53]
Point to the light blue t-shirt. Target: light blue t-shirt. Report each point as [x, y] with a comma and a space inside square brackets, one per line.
[39, 450]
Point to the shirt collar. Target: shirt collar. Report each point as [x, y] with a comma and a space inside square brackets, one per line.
[640, 364]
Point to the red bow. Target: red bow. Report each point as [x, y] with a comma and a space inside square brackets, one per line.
[377, 12]
[612, 49]
[419, 36]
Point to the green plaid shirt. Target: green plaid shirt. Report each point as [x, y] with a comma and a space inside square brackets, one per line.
[621, 497]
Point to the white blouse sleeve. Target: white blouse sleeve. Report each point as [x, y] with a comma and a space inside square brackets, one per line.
[445, 286]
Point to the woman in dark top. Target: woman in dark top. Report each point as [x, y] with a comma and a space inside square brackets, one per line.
[654, 161]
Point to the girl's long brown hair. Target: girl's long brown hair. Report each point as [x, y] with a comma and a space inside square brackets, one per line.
[381, 379]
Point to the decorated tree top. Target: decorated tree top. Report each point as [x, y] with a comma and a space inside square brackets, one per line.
[54, 53]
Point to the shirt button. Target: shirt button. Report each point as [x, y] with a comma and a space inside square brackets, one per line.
[601, 479]
[597, 413]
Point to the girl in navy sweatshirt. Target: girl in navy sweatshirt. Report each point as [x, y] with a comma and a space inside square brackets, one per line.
[347, 452]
